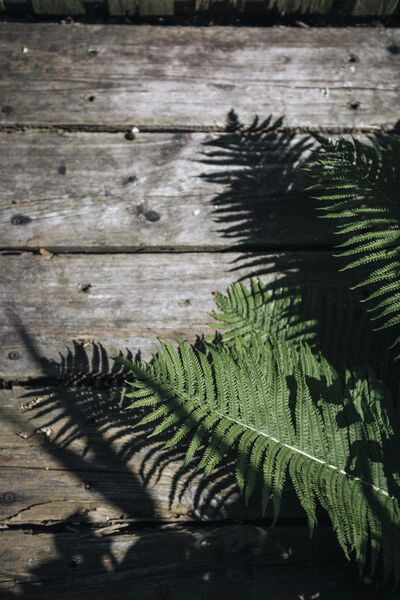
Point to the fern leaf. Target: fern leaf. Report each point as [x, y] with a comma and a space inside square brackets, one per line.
[286, 412]
[358, 185]
[309, 317]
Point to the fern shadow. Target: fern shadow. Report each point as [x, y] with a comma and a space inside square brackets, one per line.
[138, 548]
[265, 212]
[80, 403]
[262, 199]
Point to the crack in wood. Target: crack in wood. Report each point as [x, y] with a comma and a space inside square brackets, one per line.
[22, 510]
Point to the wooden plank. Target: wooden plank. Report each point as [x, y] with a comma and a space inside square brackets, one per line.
[234, 560]
[187, 77]
[58, 7]
[74, 191]
[124, 301]
[67, 451]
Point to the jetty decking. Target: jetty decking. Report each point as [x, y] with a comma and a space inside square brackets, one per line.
[128, 197]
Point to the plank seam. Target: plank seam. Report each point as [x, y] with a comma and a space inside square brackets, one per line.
[120, 129]
[129, 528]
[59, 250]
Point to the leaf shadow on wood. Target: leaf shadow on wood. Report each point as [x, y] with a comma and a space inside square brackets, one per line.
[259, 168]
[81, 402]
[265, 209]
[136, 550]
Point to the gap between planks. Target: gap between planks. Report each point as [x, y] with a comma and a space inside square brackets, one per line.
[124, 128]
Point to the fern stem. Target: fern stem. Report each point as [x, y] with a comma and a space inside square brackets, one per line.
[306, 454]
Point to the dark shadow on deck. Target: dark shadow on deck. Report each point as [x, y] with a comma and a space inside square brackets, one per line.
[81, 400]
[123, 557]
[265, 210]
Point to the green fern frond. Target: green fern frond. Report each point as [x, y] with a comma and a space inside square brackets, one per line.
[285, 412]
[305, 315]
[359, 186]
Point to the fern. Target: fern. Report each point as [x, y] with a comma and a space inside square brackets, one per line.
[359, 186]
[298, 384]
[306, 315]
[286, 412]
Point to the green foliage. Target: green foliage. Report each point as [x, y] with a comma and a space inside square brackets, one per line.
[285, 411]
[298, 384]
[358, 7]
[359, 186]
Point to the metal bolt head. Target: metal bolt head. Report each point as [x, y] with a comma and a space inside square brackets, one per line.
[13, 355]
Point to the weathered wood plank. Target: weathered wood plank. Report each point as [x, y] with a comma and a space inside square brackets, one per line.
[75, 191]
[58, 7]
[235, 560]
[67, 451]
[188, 77]
[124, 301]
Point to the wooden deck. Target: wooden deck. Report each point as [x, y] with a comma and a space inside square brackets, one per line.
[112, 236]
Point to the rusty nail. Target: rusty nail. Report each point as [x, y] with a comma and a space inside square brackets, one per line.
[8, 497]
[13, 355]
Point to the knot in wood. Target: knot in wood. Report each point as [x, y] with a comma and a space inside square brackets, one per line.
[8, 498]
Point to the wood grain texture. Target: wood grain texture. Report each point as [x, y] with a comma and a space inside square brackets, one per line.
[58, 7]
[124, 301]
[187, 77]
[73, 451]
[80, 191]
[234, 560]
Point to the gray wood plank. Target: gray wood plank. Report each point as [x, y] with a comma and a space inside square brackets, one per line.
[77, 191]
[234, 560]
[188, 77]
[67, 451]
[124, 301]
